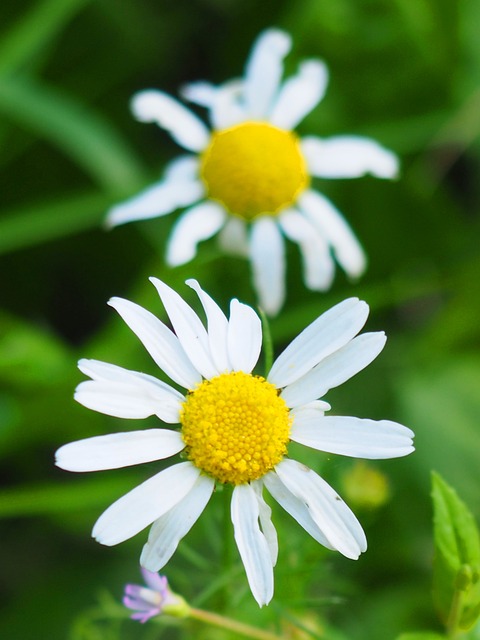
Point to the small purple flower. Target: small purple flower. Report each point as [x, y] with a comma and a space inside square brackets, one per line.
[148, 601]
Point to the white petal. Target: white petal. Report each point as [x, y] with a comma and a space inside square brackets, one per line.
[265, 515]
[183, 125]
[295, 507]
[335, 369]
[130, 401]
[315, 409]
[161, 343]
[118, 450]
[200, 92]
[244, 339]
[325, 335]
[330, 513]
[318, 265]
[156, 201]
[233, 238]
[144, 504]
[183, 168]
[196, 224]
[127, 394]
[224, 101]
[300, 94]
[169, 529]
[227, 108]
[267, 254]
[188, 328]
[348, 157]
[251, 543]
[333, 226]
[354, 437]
[264, 71]
[217, 324]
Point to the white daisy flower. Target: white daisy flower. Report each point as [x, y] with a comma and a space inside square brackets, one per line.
[235, 427]
[249, 177]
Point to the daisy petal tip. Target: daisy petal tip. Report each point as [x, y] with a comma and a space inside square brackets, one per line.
[145, 104]
[109, 222]
[263, 601]
[193, 284]
[157, 283]
[59, 459]
[316, 68]
[114, 302]
[201, 93]
[391, 166]
[277, 39]
[362, 308]
[97, 536]
[82, 363]
[176, 260]
[102, 537]
[384, 163]
[357, 266]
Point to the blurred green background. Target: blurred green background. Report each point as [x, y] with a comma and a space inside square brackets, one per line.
[406, 72]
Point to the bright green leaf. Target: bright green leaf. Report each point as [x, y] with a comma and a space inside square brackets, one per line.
[457, 554]
[82, 134]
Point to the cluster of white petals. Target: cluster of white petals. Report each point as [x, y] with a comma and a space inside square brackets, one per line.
[326, 354]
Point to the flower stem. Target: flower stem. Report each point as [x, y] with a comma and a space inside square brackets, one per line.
[267, 342]
[454, 615]
[217, 620]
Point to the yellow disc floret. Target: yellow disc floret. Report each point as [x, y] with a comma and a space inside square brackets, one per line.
[235, 427]
[254, 168]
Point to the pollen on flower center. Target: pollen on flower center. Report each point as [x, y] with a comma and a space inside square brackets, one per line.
[235, 427]
[254, 168]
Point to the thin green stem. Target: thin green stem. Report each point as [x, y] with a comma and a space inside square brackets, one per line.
[267, 341]
[454, 615]
[242, 629]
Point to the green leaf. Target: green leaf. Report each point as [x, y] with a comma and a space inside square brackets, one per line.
[71, 496]
[38, 223]
[36, 29]
[457, 556]
[82, 134]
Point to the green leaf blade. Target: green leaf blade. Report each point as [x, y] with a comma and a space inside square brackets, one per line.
[81, 133]
[457, 555]
[35, 30]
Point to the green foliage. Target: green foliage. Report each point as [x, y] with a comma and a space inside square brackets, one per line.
[421, 635]
[456, 584]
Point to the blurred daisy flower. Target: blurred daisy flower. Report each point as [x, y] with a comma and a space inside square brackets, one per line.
[248, 178]
[235, 427]
[153, 599]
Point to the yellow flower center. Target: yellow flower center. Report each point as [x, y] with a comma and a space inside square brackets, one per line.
[254, 168]
[235, 427]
